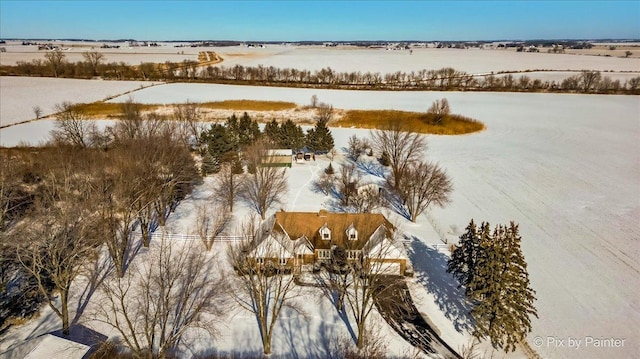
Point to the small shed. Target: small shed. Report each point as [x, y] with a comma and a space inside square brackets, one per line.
[277, 158]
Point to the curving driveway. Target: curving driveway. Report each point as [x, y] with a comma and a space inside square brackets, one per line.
[397, 308]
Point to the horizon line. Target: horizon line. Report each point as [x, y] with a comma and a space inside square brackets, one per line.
[318, 41]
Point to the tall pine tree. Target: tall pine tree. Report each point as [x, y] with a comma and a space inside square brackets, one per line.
[463, 258]
[320, 138]
[494, 272]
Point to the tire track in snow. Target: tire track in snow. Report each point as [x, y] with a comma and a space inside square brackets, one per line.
[313, 173]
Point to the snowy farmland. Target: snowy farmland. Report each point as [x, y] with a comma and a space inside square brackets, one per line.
[19, 95]
[565, 167]
[474, 61]
[349, 58]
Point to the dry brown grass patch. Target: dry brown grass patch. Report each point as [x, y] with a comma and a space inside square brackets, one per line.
[249, 105]
[414, 121]
[104, 109]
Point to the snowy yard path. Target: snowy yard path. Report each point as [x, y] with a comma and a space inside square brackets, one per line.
[313, 169]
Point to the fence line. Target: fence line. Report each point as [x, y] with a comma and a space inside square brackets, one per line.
[441, 247]
[187, 237]
[434, 224]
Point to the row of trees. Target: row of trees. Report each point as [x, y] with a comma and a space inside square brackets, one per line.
[89, 189]
[411, 184]
[224, 143]
[444, 79]
[491, 268]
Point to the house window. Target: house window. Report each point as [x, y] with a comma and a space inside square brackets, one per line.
[325, 233]
[352, 233]
[353, 254]
[282, 261]
[324, 254]
[260, 260]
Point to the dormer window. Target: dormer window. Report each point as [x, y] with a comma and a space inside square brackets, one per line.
[352, 233]
[325, 233]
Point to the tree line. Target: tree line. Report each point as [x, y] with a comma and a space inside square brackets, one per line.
[223, 142]
[445, 79]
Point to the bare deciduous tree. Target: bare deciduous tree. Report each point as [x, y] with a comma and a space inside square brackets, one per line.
[589, 80]
[347, 182]
[56, 60]
[94, 59]
[228, 185]
[425, 184]
[119, 192]
[368, 283]
[262, 288]
[71, 126]
[161, 299]
[401, 146]
[189, 117]
[211, 222]
[37, 111]
[267, 186]
[130, 125]
[439, 110]
[58, 247]
[60, 232]
[332, 153]
[324, 183]
[324, 112]
[367, 198]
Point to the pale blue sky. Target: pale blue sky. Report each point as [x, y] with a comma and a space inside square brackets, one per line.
[320, 20]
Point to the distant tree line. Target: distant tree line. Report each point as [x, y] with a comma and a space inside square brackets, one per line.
[444, 79]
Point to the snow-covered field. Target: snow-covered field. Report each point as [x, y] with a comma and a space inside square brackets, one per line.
[473, 61]
[129, 55]
[346, 58]
[565, 167]
[18, 95]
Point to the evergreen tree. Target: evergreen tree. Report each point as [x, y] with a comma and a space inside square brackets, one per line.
[329, 170]
[500, 289]
[463, 258]
[237, 168]
[248, 131]
[320, 138]
[272, 131]
[218, 143]
[209, 164]
[233, 131]
[291, 136]
[311, 139]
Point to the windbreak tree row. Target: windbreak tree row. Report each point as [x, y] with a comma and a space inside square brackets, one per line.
[55, 64]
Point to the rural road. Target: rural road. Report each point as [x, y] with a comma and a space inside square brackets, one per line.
[398, 310]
